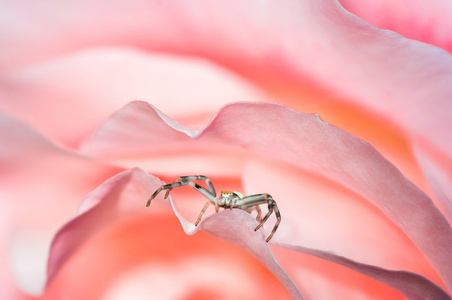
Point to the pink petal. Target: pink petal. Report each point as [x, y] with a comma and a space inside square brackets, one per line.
[56, 95]
[426, 21]
[409, 284]
[438, 170]
[278, 45]
[321, 214]
[292, 49]
[237, 228]
[40, 188]
[308, 142]
[121, 195]
[155, 144]
[124, 196]
[301, 140]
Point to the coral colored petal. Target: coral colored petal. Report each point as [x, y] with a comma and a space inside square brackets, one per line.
[150, 256]
[125, 194]
[237, 227]
[425, 21]
[409, 284]
[119, 196]
[308, 142]
[40, 188]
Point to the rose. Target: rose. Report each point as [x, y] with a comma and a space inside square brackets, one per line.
[413, 125]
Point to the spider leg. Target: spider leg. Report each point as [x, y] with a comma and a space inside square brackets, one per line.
[207, 193]
[278, 220]
[258, 210]
[195, 177]
[202, 212]
[163, 187]
[259, 213]
[255, 200]
[233, 203]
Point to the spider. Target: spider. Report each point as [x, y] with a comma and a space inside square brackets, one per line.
[227, 199]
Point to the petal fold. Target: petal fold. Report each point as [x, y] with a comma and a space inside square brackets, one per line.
[237, 227]
[412, 285]
[308, 142]
[425, 21]
[41, 185]
[119, 197]
[124, 195]
[438, 171]
[277, 46]
[55, 95]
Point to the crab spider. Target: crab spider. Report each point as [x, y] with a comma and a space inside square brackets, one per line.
[227, 199]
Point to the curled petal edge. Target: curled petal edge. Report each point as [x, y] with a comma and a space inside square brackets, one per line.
[411, 285]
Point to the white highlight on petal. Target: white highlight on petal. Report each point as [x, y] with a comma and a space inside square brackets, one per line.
[28, 253]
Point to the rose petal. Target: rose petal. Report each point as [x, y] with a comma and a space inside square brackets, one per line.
[275, 45]
[232, 226]
[126, 194]
[320, 214]
[40, 187]
[426, 21]
[118, 196]
[56, 95]
[163, 263]
[155, 145]
[308, 142]
[409, 284]
[278, 47]
[438, 170]
[237, 228]
[239, 231]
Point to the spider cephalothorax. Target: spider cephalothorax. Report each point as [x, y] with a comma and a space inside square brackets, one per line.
[227, 199]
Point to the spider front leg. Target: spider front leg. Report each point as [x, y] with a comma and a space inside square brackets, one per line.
[191, 178]
[202, 212]
[188, 180]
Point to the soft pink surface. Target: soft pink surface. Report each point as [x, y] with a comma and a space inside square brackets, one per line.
[312, 56]
[369, 66]
[41, 187]
[303, 141]
[234, 227]
[121, 198]
[438, 170]
[428, 21]
[68, 97]
[65, 68]
[125, 136]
